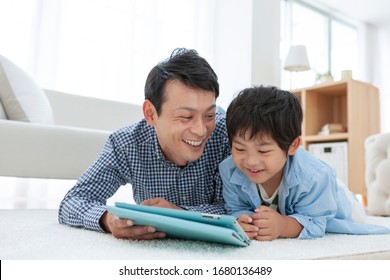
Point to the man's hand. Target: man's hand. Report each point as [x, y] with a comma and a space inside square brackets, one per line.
[245, 222]
[123, 228]
[160, 202]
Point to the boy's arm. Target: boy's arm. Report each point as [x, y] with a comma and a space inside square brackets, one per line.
[235, 204]
[316, 205]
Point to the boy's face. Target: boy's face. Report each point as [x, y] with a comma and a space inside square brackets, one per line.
[186, 121]
[260, 159]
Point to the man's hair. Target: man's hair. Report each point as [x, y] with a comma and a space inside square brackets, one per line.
[185, 66]
[265, 111]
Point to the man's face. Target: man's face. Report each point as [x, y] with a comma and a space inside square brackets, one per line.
[186, 122]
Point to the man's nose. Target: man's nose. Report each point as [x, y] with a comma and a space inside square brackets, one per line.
[199, 127]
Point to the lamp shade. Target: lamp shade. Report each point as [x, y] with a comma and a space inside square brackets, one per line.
[297, 59]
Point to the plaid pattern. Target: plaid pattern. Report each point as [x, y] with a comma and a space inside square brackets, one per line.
[132, 155]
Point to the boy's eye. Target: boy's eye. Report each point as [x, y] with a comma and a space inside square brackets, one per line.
[238, 149]
[264, 152]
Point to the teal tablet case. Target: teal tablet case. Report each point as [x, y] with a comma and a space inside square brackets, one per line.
[184, 224]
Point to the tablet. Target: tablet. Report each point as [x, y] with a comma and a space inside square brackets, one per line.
[184, 224]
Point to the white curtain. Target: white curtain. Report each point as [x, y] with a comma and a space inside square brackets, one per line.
[105, 48]
[101, 48]
[95, 48]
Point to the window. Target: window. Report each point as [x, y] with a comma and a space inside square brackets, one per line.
[115, 36]
[17, 31]
[331, 43]
[102, 48]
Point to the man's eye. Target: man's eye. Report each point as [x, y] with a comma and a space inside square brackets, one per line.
[211, 116]
[186, 117]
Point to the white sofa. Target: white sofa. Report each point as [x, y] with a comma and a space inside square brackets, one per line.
[377, 152]
[65, 149]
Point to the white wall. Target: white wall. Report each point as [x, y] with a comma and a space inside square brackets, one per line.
[233, 47]
[246, 45]
[374, 63]
[384, 77]
[266, 43]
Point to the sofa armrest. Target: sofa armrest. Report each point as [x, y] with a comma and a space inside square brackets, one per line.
[89, 112]
[377, 159]
[47, 151]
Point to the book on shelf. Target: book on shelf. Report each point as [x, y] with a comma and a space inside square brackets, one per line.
[330, 128]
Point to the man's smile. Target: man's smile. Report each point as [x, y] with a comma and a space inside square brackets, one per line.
[194, 143]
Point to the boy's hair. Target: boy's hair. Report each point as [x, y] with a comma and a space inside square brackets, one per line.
[265, 111]
[183, 65]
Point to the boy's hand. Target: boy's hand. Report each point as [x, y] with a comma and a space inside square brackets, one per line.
[269, 222]
[245, 222]
[272, 224]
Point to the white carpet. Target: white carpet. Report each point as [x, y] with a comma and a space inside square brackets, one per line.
[36, 234]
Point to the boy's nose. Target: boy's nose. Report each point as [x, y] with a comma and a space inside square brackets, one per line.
[252, 159]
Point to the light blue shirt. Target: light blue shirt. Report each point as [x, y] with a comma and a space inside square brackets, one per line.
[309, 192]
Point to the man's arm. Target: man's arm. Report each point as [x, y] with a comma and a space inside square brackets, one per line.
[217, 205]
[85, 203]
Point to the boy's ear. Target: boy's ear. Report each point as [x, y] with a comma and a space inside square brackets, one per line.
[294, 146]
[150, 113]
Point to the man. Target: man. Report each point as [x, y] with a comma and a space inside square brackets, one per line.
[170, 157]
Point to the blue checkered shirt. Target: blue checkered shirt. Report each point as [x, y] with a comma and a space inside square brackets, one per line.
[132, 155]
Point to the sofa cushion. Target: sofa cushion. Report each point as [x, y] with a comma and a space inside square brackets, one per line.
[21, 97]
[2, 113]
[377, 160]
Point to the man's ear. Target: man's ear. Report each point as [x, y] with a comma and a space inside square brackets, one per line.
[294, 146]
[150, 113]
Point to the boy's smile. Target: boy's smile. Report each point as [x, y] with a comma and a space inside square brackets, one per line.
[260, 159]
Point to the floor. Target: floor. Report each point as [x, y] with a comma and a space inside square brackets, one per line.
[372, 256]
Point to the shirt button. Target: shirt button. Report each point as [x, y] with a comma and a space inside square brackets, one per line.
[184, 198]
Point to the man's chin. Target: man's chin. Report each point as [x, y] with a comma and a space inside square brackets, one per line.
[193, 156]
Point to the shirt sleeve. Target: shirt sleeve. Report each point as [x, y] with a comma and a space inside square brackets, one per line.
[216, 206]
[315, 206]
[235, 204]
[85, 203]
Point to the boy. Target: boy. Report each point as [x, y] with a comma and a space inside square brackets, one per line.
[272, 185]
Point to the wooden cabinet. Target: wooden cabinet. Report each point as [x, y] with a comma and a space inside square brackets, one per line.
[352, 103]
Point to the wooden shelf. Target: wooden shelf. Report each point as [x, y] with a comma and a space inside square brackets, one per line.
[326, 138]
[352, 103]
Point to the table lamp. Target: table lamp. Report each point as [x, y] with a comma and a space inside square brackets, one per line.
[296, 60]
